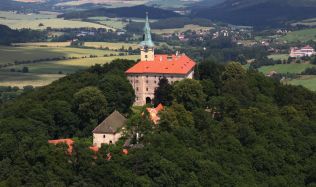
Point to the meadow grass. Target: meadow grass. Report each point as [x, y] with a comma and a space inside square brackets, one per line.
[10, 54]
[110, 45]
[279, 56]
[48, 19]
[25, 79]
[67, 66]
[42, 44]
[44, 73]
[308, 81]
[300, 36]
[285, 68]
[185, 28]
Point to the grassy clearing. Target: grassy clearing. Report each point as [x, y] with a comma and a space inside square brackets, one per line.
[185, 28]
[279, 56]
[308, 81]
[49, 19]
[11, 54]
[300, 36]
[285, 68]
[112, 46]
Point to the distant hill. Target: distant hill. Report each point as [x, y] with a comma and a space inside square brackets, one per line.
[258, 12]
[8, 36]
[135, 11]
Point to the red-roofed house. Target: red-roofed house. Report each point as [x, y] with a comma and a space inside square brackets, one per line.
[304, 51]
[68, 142]
[145, 75]
[153, 113]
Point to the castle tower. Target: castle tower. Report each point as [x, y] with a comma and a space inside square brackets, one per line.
[147, 46]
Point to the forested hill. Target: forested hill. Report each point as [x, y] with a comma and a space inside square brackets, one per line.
[259, 12]
[8, 36]
[126, 12]
[227, 128]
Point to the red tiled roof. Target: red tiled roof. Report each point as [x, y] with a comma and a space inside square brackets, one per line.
[164, 64]
[68, 141]
[94, 148]
[153, 112]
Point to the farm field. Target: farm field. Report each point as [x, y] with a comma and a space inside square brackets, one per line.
[11, 54]
[42, 44]
[301, 36]
[279, 56]
[33, 21]
[24, 79]
[185, 28]
[285, 68]
[44, 73]
[110, 45]
[66, 66]
[114, 23]
[308, 81]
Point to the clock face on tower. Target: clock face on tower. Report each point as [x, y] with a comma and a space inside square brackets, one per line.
[146, 49]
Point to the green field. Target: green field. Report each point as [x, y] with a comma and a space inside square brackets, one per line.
[285, 68]
[11, 54]
[308, 81]
[185, 28]
[25, 79]
[44, 73]
[32, 21]
[279, 56]
[110, 45]
[66, 66]
[114, 23]
[300, 36]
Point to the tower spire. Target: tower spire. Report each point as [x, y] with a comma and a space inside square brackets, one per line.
[147, 41]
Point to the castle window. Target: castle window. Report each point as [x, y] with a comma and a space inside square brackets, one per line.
[155, 82]
[146, 89]
[136, 88]
[146, 56]
[103, 136]
[146, 81]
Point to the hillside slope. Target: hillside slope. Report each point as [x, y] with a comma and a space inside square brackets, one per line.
[258, 12]
[135, 11]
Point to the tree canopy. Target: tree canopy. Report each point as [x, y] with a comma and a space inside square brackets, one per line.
[223, 130]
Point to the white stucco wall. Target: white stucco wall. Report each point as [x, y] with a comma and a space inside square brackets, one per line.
[99, 139]
[144, 85]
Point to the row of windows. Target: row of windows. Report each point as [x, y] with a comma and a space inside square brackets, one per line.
[136, 81]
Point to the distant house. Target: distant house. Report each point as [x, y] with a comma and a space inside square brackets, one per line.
[110, 130]
[153, 113]
[296, 52]
[69, 142]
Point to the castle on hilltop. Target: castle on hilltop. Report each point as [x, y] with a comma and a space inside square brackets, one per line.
[145, 75]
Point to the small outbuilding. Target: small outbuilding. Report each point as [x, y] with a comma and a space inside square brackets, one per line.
[110, 130]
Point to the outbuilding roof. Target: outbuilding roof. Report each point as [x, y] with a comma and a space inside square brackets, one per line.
[111, 124]
[164, 64]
